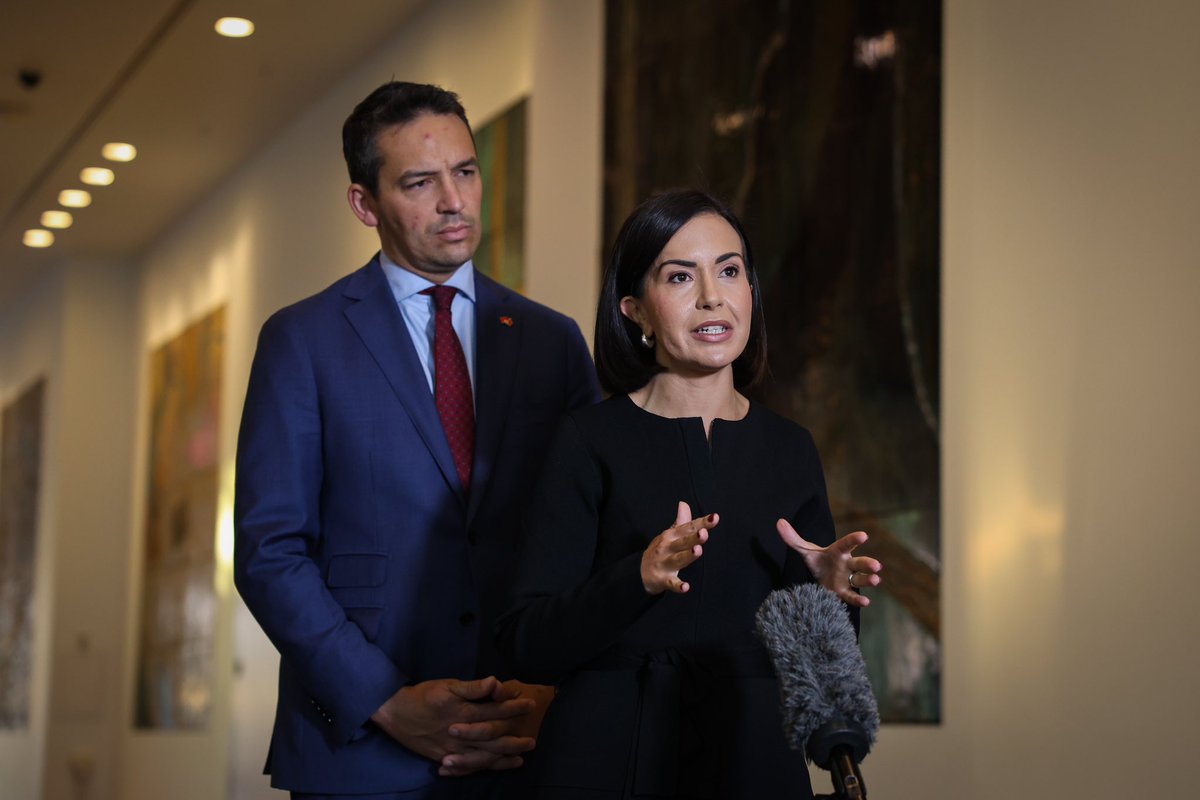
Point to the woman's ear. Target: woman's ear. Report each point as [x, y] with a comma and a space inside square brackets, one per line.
[632, 309]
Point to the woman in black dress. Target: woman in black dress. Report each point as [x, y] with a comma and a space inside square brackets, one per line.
[664, 690]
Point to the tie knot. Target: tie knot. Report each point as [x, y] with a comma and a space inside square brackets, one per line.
[443, 296]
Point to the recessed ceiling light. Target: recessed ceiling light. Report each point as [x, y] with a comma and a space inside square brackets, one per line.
[57, 219]
[234, 27]
[75, 198]
[97, 176]
[36, 237]
[119, 151]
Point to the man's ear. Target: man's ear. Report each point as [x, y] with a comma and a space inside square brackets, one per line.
[362, 203]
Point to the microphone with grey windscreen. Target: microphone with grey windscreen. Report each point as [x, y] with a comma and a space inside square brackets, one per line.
[829, 710]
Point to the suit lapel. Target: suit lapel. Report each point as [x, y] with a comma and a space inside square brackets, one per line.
[498, 331]
[379, 324]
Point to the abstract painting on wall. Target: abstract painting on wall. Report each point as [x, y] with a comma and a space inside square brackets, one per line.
[819, 123]
[179, 604]
[500, 145]
[20, 471]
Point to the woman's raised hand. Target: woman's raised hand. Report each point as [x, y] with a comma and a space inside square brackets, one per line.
[673, 549]
[836, 567]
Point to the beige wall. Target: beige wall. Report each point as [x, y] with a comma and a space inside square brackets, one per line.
[1071, 263]
[1072, 443]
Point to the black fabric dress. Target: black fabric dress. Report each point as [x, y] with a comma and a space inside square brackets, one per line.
[670, 695]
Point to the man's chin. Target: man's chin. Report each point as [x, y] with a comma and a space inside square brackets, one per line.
[451, 258]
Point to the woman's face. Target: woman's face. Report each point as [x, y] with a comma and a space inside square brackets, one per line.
[696, 300]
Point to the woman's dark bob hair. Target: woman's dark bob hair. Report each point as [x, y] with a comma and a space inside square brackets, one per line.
[623, 364]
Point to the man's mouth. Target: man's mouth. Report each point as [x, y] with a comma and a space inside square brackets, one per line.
[454, 232]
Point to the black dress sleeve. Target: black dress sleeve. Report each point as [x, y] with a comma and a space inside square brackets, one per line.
[812, 519]
[567, 610]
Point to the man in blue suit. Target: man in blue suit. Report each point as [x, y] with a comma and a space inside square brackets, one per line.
[390, 434]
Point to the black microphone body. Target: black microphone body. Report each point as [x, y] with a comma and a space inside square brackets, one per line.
[838, 747]
[829, 710]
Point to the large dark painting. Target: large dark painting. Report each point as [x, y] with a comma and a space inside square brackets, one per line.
[178, 614]
[819, 122]
[20, 480]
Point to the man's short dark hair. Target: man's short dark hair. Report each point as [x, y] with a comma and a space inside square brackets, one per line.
[622, 362]
[394, 103]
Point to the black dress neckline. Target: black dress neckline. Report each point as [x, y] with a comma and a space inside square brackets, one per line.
[751, 411]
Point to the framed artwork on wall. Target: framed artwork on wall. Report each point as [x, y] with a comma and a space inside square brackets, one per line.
[176, 638]
[21, 427]
[500, 145]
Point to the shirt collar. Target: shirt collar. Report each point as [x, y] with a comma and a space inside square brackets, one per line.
[406, 283]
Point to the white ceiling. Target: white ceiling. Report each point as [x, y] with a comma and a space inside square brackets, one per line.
[155, 74]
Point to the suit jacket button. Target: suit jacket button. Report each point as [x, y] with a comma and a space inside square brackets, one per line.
[466, 619]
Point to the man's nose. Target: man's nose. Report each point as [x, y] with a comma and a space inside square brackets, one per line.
[450, 201]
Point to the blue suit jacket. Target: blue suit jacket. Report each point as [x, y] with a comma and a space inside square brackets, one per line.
[356, 548]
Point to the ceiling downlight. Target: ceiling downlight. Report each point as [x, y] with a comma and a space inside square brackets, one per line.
[37, 237]
[97, 176]
[234, 27]
[75, 198]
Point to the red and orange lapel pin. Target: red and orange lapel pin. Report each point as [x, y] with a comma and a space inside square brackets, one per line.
[506, 322]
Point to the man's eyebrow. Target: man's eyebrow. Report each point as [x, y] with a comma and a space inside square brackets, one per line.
[417, 173]
[414, 174]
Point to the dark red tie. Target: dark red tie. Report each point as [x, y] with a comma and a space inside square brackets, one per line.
[452, 384]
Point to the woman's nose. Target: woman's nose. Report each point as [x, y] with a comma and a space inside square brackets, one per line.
[709, 295]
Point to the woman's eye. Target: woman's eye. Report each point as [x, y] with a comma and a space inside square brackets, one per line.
[731, 271]
[678, 277]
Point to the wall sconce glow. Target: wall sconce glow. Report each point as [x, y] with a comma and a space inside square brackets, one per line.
[234, 27]
[36, 237]
[97, 176]
[119, 151]
[57, 219]
[75, 198]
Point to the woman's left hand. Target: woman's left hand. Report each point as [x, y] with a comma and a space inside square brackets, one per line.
[836, 567]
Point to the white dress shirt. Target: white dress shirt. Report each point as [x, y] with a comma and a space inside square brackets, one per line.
[417, 310]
